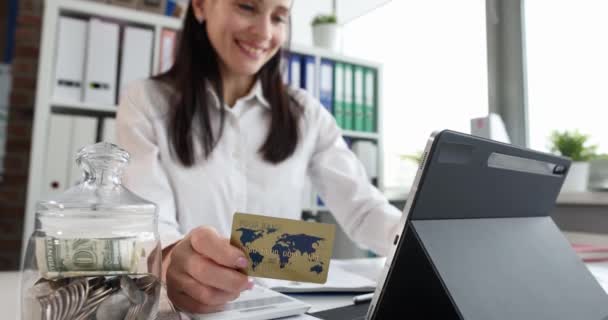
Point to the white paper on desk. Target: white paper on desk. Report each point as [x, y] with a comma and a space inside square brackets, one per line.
[338, 280]
[369, 268]
[600, 272]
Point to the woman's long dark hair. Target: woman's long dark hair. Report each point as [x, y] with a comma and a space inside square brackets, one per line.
[196, 63]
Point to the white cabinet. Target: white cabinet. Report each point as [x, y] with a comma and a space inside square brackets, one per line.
[63, 123]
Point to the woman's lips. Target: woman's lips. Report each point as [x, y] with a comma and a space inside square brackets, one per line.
[252, 51]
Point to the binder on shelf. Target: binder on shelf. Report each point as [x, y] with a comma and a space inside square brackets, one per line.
[70, 59]
[136, 60]
[309, 77]
[370, 101]
[84, 132]
[359, 110]
[168, 40]
[57, 159]
[339, 93]
[326, 84]
[348, 97]
[367, 152]
[102, 63]
[108, 130]
[295, 70]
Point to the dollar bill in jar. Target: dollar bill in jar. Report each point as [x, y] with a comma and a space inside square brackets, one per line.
[65, 257]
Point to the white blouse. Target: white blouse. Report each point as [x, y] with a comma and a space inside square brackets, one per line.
[235, 178]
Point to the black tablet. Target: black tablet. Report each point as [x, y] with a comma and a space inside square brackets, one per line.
[477, 241]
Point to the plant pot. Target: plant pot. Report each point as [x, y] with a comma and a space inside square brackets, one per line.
[577, 178]
[326, 36]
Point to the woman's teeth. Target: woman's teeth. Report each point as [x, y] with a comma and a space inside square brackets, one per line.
[251, 50]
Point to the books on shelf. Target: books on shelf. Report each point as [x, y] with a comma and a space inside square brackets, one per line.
[348, 97]
[339, 93]
[70, 59]
[101, 65]
[309, 74]
[358, 103]
[326, 84]
[136, 59]
[295, 70]
[370, 104]
[347, 90]
[96, 58]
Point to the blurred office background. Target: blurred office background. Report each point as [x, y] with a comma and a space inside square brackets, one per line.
[539, 65]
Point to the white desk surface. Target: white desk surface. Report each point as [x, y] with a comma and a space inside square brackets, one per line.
[9, 282]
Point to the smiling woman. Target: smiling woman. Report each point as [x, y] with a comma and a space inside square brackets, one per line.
[241, 33]
[225, 45]
[221, 133]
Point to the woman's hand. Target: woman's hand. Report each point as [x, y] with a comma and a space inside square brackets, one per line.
[202, 273]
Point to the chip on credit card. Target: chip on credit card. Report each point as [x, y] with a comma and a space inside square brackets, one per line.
[285, 249]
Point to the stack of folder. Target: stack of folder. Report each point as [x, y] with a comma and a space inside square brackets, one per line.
[93, 64]
[348, 91]
[355, 97]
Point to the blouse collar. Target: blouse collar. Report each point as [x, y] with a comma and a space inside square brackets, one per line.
[256, 93]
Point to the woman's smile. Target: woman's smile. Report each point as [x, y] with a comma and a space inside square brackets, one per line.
[251, 50]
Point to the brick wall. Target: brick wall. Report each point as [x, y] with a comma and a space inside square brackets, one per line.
[13, 188]
[3, 27]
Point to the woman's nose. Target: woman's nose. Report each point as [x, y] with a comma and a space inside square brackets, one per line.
[263, 28]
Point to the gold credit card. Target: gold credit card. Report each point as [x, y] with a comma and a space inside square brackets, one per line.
[283, 248]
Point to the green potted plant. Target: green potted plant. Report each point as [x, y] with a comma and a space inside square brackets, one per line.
[325, 31]
[574, 145]
[416, 157]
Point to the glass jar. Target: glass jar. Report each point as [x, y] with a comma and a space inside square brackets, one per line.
[95, 250]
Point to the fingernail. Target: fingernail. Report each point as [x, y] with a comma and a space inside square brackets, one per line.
[250, 284]
[242, 262]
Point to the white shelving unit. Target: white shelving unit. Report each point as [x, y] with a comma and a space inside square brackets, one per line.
[46, 105]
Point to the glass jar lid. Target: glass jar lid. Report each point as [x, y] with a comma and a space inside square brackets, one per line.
[101, 187]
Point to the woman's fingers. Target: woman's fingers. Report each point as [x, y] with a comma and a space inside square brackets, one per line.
[202, 294]
[209, 273]
[209, 243]
[202, 274]
[186, 303]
